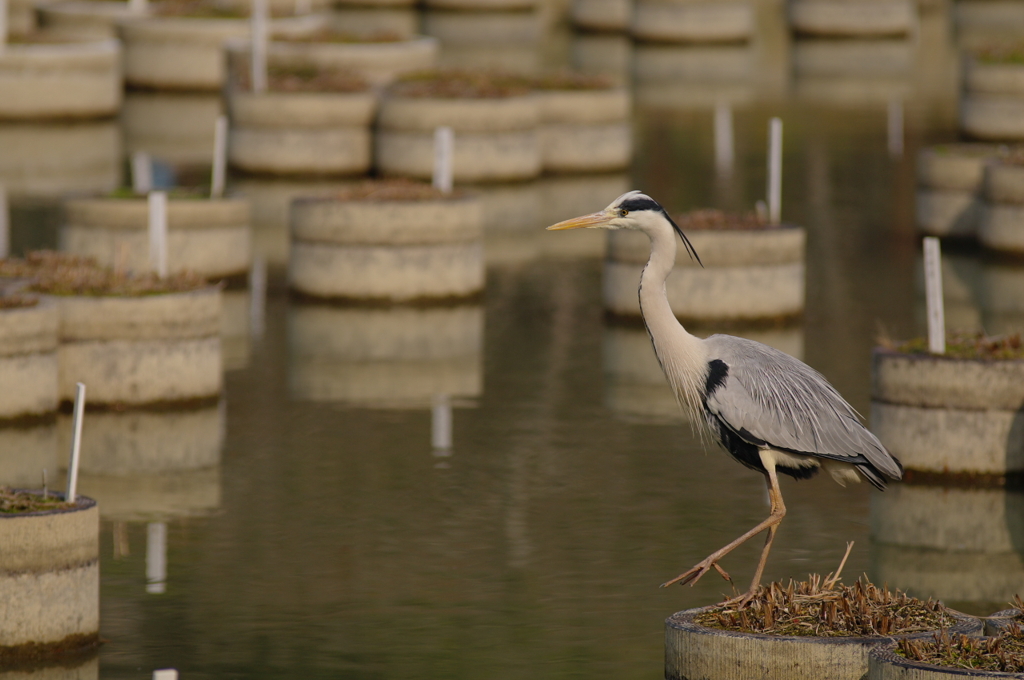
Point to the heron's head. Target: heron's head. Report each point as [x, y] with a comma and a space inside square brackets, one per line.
[632, 210]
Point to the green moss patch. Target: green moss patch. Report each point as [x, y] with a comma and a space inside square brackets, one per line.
[13, 502]
[461, 85]
[969, 346]
[822, 607]
[56, 273]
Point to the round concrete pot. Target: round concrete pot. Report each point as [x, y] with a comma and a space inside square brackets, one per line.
[982, 23]
[680, 77]
[496, 139]
[83, 19]
[850, 71]
[748, 274]
[988, 77]
[135, 351]
[606, 55]
[696, 651]
[209, 237]
[57, 159]
[397, 357]
[853, 19]
[992, 117]
[50, 563]
[585, 130]
[1002, 222]
[186, 53]
[393, 251]
[60, 80]
[362, 19]
[601, 15]
[28, 360]
[945, 416]
[174, 127]
[378, 62]
[483, 29]
[950, 180]
[300, 133]
[692, 21]
[886, 664]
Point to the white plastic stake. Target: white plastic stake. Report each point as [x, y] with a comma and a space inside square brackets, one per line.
[165, 674]
[775, 171]
[156, 558]
[3, 24]
[220, 155]
[258, 296]
[158, 232]
[933, 296]
[5, 222]
[895, 128]
[724, 145]
[76, 442]
[142, 172]
[259, 45]
[444, 148]
[138, 6]
[441, 424]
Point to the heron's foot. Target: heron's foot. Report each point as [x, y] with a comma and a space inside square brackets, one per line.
[693, 574]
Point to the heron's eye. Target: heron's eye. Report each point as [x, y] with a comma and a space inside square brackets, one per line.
[623, 212]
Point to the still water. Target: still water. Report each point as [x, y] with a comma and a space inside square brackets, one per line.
[332, 540]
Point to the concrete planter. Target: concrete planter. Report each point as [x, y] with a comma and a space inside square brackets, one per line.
[50, 563]
[853, 19]
[28, 360]
[300, 133]
[950, 180]
[852, 71]
[494, 30]
[1002, 222]
[53, 160]
[186, 53]
[585, 130]
[83, 19]
[992, 117]
[748, 274]
[695, 651]
[957, 544]
[675, 77]
[365, 19]
[387, 250]
[174, 127]
[496, 139]
[606, 55]
[885, 664]
[394, 358]
[990, 77]
[377, 62]
[60, 80]
[943, 416]
[693, 21]
[141, 350]
[601, 15]
[209, 237]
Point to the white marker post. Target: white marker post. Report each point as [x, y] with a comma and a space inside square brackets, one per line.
[158, 232]
[259, 45]
[220, 157]
[725, 151]
[933, 296]
[142, 172]
[76, 442]
[441, 425]
[775, 171]
[166, 674]
[5, 222]
[258, 296]
[444, 150]
[156, 558]
[895, 128]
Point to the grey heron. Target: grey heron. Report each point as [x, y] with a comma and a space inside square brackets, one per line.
[773, 413]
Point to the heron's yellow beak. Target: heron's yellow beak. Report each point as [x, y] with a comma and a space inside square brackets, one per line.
[598, 219]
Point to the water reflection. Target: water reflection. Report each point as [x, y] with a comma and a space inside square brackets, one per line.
[26, 451]
[853, 72]
[506, 41]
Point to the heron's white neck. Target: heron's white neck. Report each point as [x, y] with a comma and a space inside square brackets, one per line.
[682, 355]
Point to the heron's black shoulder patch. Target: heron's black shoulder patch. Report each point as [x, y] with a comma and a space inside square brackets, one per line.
[718, 371]
[640, 203]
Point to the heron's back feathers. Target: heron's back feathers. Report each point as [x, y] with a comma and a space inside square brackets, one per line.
[768, 398]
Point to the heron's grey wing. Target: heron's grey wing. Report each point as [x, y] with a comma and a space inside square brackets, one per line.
[767, 396]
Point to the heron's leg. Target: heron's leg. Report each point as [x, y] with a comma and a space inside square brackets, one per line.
[778, 511]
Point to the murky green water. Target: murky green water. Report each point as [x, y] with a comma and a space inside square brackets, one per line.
[332, 540]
